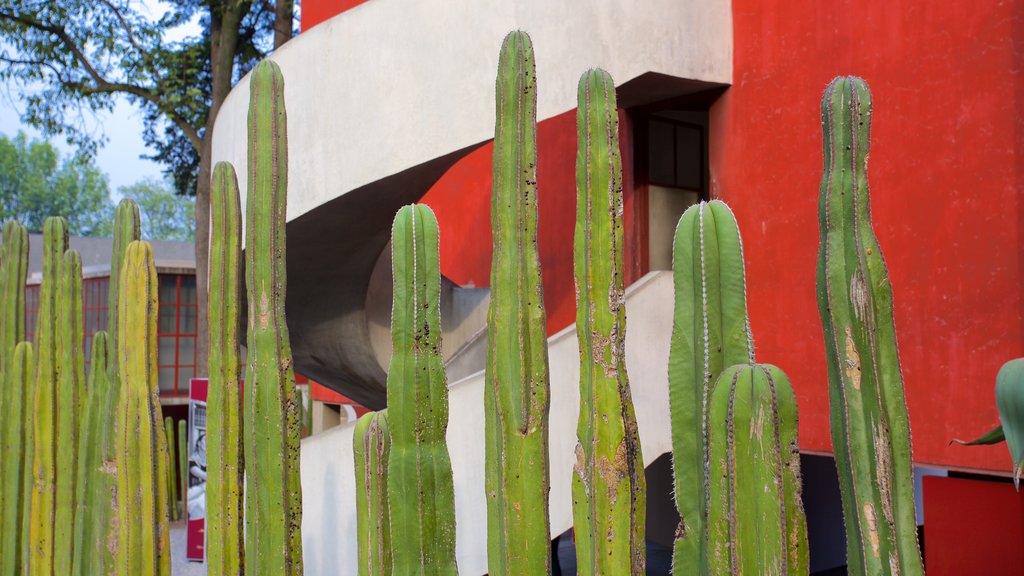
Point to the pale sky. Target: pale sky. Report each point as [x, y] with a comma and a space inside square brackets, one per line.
[119, 158]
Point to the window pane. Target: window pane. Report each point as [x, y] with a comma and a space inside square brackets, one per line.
[168, 289]
[167, 320]
[188, 319]
[167, 351]
[186, 351]
[188, 289]
[660, 155]
[166, 379]
[689, 156]
[184, 374]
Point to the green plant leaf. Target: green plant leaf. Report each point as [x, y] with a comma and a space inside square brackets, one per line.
[995, 436]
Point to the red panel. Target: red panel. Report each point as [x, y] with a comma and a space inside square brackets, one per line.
[316, 11]
[972, 527]
[324, 394]
[946, 194]
[461, 199]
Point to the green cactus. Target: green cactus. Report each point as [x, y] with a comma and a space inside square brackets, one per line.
[172, 483]
[273, 496]
[710, 331]
[183, 466]
[141, 445]
[371, 443]
[45, 416]
[18, 380]
[756, 522]
[224, 507]
[89, 548]
[870, 425]
[420, 488]
[608, 490]
[70, 397]
[516, 394]
[15, 398]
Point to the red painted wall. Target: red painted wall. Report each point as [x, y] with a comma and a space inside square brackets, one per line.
[946, 194]
[461, 199]
[972, 527]
[316, 11]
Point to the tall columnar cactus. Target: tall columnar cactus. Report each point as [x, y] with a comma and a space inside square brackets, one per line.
[13, 271]
[183, 466]
[756, 522]
[273, 496]
[224, 507]
[172, 482]
[371, 443]
[43, 500]
[516, 395]
[70, 397]
[870, 425]
[710, 331]
[420, 488]
[90, 543]
[608, 490]
[19, 377]
[143, 533]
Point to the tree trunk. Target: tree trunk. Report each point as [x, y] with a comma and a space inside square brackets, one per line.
[283, 10]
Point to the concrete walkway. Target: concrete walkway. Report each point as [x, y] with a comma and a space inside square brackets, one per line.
[179, 565]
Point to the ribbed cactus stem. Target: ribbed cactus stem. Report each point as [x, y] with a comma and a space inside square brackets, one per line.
[371, 444]
[13, 394]
[183, 466]
[273, 496]
[516, 395]
[756, 522]
[172, 482]
[70, 397]
[870, 425]
[420, 488]
[18, 380]
[141, 445]
[226, 472]
[608, 490]
[94, 470]
[47, 396]
[710, 331]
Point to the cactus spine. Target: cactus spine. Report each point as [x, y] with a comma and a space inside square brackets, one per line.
[420, 488]
[870, 425]
[172, 484]
[371, 443]
[224, 507]
[183, 466]
[46, 401]
[516, 393]
[70, 397]
[608, 490]
[142, 458]
[89, 548]
[15, 394]
[710, 331]
[273, 498]
[18, 379]
[756, 522]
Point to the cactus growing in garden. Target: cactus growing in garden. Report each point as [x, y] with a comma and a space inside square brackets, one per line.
[15, 395]
[710, 331]
[516, 395]
[608, 489]
[18, 379]
[870, 425]
[420, 488]
[47, 404]
[273, 496]
[141, 445]
[183, 466]
[225, 540]
[172, 484]
[756, 522]
[371, 443]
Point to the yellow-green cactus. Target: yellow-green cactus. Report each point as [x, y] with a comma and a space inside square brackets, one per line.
[371, 444]
[18, 380]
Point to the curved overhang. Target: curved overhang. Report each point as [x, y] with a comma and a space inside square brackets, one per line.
[384, 98]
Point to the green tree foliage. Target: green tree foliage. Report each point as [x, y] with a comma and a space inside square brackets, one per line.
[36, 183]
[165, 215]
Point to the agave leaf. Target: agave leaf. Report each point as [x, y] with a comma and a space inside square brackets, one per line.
[995, 436]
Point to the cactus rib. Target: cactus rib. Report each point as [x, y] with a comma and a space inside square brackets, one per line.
[609, 491]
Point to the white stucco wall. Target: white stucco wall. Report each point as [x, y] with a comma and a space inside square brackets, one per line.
[395, 83]
[328, 479]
